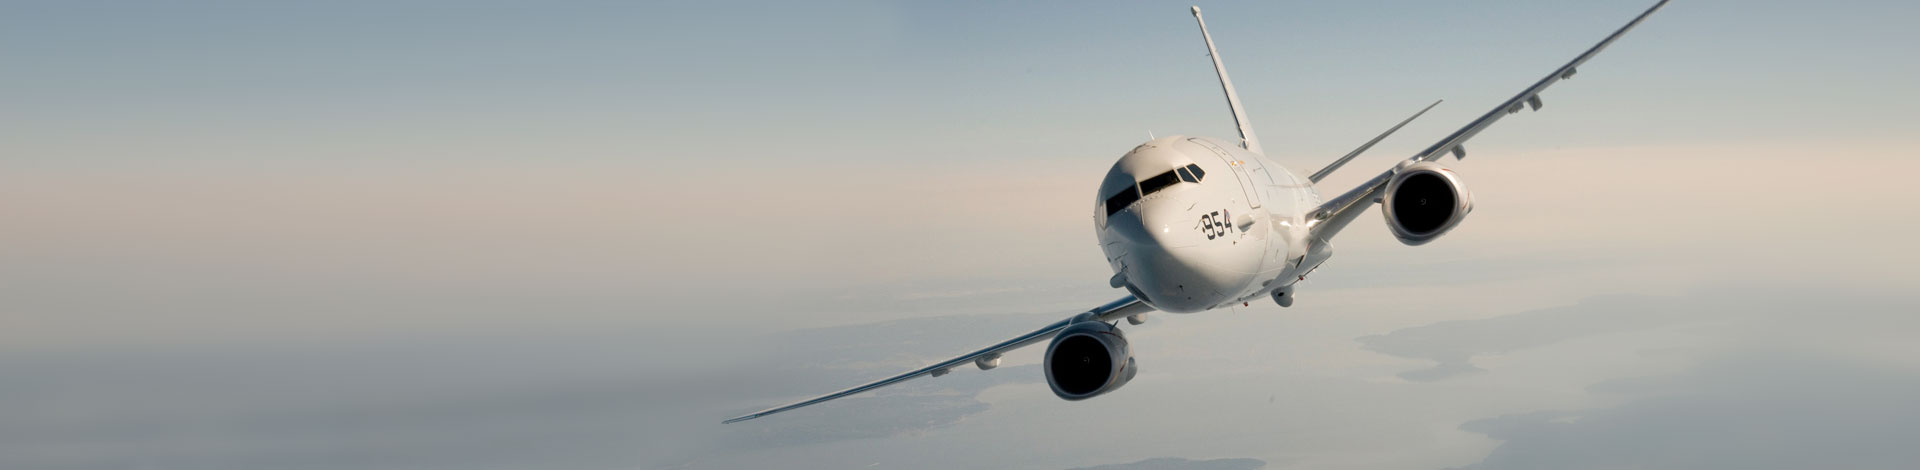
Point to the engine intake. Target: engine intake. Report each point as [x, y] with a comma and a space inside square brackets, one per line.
[1087, 359]
[1424, 201]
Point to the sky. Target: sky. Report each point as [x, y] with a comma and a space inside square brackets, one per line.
[578, 235]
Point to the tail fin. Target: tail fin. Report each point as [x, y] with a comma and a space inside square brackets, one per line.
[1316, 176]
[1247, 139]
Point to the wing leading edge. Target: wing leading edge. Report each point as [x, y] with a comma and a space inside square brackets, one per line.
[1111, 311]
[1336, 213]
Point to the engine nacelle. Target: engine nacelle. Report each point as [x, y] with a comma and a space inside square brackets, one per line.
[1087, 359]
[1423, 201]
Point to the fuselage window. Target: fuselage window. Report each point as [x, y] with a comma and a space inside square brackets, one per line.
[1159, 182]
[1120, 201]
[1198, 174]
[1186, 175]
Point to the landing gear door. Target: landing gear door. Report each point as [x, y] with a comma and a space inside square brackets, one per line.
[1240, 171]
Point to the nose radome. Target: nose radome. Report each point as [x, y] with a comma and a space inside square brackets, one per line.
[1178, 275]
[1166, 223]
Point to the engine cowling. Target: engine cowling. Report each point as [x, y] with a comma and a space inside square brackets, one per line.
[1087, 359]
[1423, 201]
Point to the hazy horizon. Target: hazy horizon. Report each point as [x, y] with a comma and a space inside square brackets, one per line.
[519, 234]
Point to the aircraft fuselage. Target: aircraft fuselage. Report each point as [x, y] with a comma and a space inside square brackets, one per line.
[1189, 241]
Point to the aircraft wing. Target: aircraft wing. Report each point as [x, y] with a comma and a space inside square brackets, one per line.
[1111, 311]
[1337, 212]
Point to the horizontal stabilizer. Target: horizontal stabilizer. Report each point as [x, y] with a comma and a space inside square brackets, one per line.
[1363, 147]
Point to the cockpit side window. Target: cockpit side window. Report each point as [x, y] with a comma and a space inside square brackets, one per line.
[1120, 201]
[1159, 182]
[1186, 176]
[1198, 174]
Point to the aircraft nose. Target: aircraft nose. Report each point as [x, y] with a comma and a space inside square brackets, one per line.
[1171, 263]
[1165, 224]
[1161, 223]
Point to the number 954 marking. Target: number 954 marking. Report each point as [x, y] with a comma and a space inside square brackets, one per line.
[1214, 224]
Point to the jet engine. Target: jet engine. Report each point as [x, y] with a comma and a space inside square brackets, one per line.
[1423, 201]
[1087, 359]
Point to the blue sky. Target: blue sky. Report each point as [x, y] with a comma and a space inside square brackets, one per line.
[946, 81]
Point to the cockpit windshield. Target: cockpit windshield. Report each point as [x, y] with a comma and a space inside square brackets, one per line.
[1120, 201]
[1159, 182]
[1190, 173]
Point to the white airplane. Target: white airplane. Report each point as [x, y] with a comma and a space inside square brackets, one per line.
[1191, 224]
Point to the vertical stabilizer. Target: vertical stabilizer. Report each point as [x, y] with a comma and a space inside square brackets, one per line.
[1247, 139]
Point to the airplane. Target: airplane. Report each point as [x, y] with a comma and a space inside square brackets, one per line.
[1191, 224]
